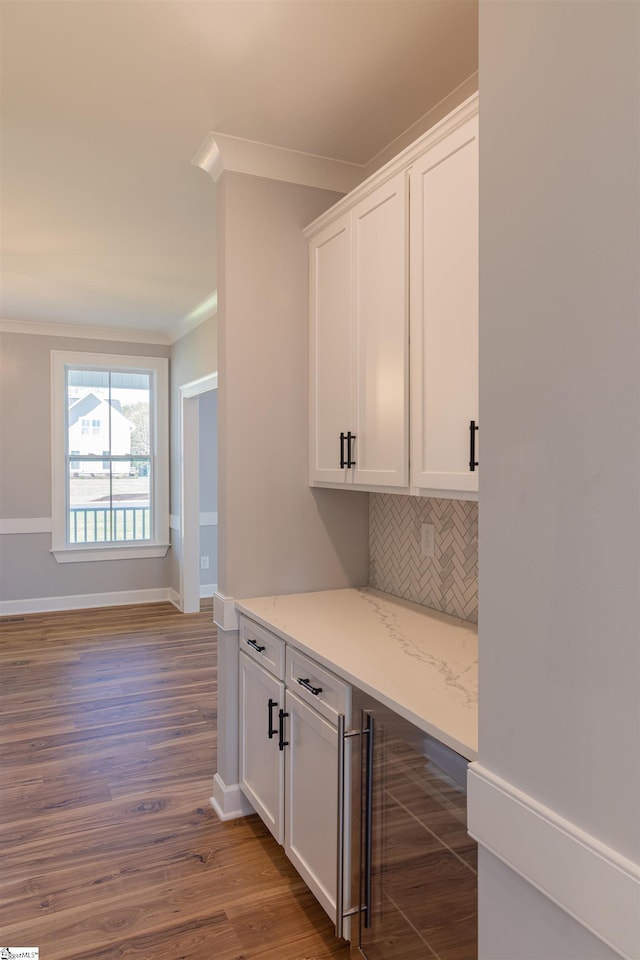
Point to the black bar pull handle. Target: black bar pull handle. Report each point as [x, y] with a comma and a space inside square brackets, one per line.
[271, 730]
[350, 437]
[282, 743]
[473, 463]
[368, 823]
[305, 683]
[255, 645]
[342, 462]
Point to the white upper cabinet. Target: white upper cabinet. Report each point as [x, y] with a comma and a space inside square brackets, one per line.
[394, 322]
[330, 349]
[444, 313]
[359, 343]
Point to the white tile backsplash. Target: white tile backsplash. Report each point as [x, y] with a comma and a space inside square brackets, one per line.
[448, 581]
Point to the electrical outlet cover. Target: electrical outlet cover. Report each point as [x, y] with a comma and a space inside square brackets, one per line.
[427, 540]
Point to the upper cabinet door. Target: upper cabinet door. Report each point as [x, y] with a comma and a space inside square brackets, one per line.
[444, 312]
[330, 353]
[381, 328]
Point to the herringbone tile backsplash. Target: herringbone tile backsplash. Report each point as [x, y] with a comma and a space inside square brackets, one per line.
[448, 581]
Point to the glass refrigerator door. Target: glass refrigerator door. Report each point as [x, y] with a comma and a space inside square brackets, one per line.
[423, 863]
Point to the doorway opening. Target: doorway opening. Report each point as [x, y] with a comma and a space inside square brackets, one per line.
[198, 491]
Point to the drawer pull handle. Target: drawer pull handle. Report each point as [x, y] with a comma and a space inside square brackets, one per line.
[305, 683]
[271, 731]
[282, 743]
[256, 646]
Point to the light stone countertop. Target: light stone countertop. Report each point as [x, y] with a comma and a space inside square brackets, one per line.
[420, 663]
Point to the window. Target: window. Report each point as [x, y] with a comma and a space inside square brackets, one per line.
[109, 456]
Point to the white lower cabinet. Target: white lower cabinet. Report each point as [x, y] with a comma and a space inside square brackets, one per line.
[311, 804]
[261, 760]
[289, 755]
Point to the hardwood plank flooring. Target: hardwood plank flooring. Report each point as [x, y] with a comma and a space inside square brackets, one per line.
[109, 848]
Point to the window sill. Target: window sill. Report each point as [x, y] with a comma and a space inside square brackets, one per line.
[134, 552]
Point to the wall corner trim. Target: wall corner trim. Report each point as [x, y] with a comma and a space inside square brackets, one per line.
[220, 152]
[225, 614]
[590, 881]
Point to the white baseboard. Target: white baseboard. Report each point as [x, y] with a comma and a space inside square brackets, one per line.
[207, 589]
[84, 601]
[174, 597]
[229, 802]
[590, 881]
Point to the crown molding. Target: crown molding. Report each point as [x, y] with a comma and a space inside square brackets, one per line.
[121, 334]
[220, 152]
[204, 310]
[403, 161]
[464, 91]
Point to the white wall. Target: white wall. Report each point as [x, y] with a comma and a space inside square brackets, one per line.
[560, 419]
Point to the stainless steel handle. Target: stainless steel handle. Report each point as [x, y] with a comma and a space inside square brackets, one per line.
[340, 858]
[368, 822]
[341, 913]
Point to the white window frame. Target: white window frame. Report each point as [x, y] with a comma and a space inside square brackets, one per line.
[158, 367]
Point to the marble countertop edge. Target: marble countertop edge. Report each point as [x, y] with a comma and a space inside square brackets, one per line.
[417, 661]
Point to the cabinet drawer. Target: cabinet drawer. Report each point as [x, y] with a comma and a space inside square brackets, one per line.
[325, 692]
[263, 646]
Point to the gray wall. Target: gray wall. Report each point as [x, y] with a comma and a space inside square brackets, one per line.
[276, 534]
[193, 356]
[560, 519]
[27, 568]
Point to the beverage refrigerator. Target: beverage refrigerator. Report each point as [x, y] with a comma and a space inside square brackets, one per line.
[407, 890]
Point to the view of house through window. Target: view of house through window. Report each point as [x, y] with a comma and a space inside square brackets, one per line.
[108, 455]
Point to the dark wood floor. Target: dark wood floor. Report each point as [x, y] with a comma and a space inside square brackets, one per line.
[109, 848]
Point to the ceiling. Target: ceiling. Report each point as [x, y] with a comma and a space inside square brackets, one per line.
[105, 222]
